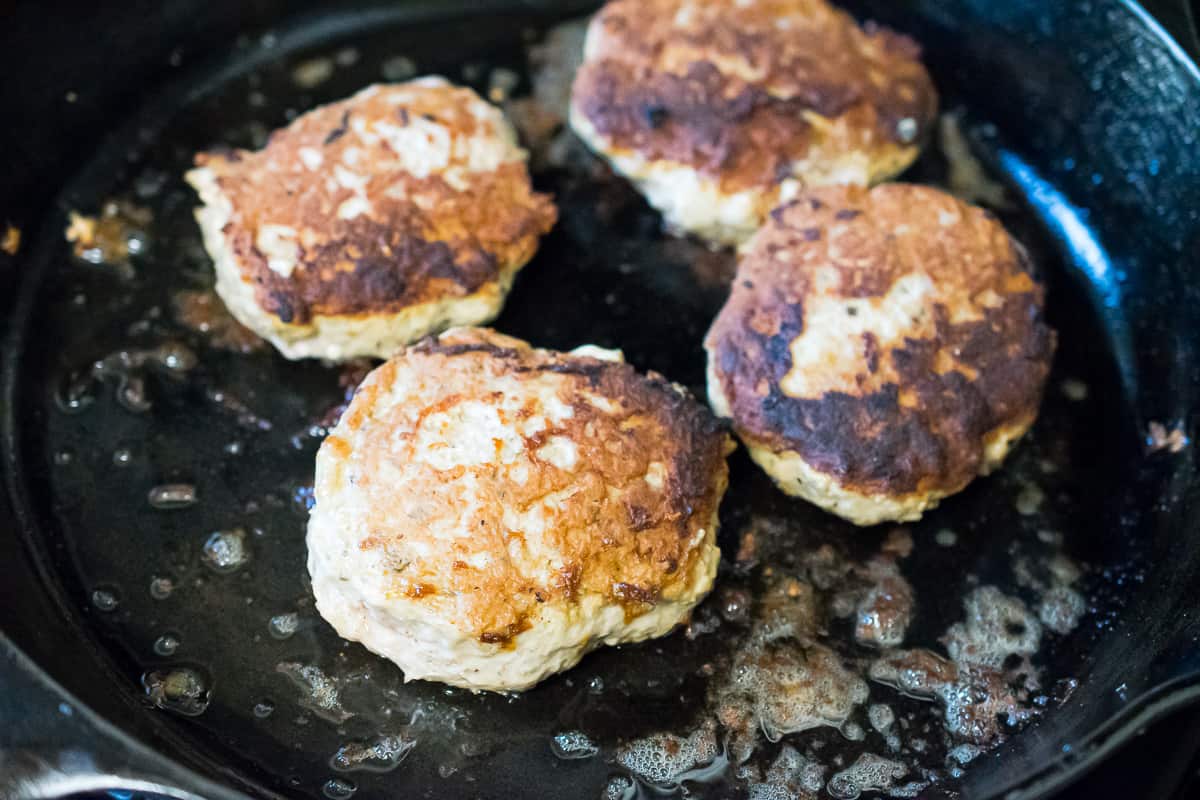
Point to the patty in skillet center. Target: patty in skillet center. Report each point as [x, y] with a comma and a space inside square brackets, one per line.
[486, 512]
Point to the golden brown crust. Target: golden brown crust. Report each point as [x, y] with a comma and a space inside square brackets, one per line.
[611, 532]
[882, 415]
[730, 88]
[413, 237]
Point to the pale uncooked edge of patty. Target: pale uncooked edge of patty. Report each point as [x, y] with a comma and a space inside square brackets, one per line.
[796, 477]
[689, 201]
[429, 647]
[692, 202]
[333, 337]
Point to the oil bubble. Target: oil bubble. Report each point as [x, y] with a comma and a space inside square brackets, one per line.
[184, 690]
[870, 773]
[881, 717]
[339, 789]
[172, 496]
[105, 600]
[161, 588]
[1074, 389]
[1029, 500]
[853, 731]
[166, 645]
[282, 626]
[76, 392]
[226, 551]
[313, 72]
[666, 760]
[398, 68]
[946, 537]
[319, 692]
[1061, 609]
[571, 745]
[382, 754]
[620, 787]
[964, 753]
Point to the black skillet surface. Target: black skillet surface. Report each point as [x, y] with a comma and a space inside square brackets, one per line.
[1090, 117]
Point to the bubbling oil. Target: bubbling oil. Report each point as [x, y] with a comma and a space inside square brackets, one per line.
[184, 690]
[284, 626]
[226, 551]
[318, 692]
[380, 754]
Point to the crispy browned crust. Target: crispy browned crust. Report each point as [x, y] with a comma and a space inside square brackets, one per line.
[402, 252]
[618, 538]
[665, 88]
[915, 418]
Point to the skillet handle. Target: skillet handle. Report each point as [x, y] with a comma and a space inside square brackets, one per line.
[1181, 19]
[52, 746]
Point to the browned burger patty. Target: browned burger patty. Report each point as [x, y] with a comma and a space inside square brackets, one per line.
[371, 222]
[880, 348]
[486, 512]
[720, 110]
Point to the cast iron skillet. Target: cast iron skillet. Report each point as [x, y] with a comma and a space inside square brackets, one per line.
[1087, 110]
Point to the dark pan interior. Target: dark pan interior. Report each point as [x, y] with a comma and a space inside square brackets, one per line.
[1106, 208]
